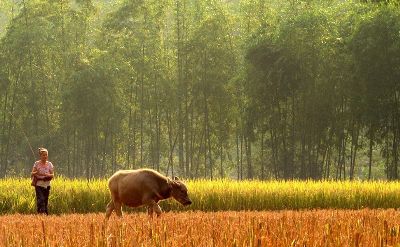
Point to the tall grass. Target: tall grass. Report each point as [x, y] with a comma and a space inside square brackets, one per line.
[84, 196]
[278, 195]
[66, 196]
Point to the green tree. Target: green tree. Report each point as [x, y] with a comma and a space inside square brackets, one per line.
[211, 60]
[375, 46]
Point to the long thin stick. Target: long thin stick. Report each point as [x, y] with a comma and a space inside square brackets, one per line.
[27, 139]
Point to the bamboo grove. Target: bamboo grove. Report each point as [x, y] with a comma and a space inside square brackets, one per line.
[244, 89]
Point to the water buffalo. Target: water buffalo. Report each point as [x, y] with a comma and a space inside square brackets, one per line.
[140, 187]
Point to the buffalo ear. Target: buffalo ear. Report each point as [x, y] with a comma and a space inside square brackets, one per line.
[176, 178]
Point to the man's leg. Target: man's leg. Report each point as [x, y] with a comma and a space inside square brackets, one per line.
[40, 199]
[46, 199]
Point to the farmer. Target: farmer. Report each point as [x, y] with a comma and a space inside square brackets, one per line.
[42, 173]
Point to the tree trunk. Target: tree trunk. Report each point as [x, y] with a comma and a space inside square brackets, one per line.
[221, 167]
[371, 144]
[3, 132]
[129, 146]
[237, 152]
[262, 156]
[353, 151]
[395, 159]
[249, 158]
[275, 153]
[180, 87]
[142, 109]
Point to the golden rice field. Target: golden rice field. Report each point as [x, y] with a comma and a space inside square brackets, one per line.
[223, 213]
[220, 229]
[91, 196]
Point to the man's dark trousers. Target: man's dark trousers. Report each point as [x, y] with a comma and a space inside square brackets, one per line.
[42, 199]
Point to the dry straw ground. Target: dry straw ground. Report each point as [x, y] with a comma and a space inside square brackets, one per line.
[273, 228]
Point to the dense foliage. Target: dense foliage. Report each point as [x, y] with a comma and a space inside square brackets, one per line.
[244, 89]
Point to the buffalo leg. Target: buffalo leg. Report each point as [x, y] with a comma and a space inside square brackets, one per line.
[154, 207]
[157, 209]
[118, 208]
[150, 210]
[110, 208]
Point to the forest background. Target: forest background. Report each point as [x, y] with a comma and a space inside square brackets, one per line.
[247, 89]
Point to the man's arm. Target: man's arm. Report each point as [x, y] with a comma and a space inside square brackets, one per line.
[50, 174]
[36, 173]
